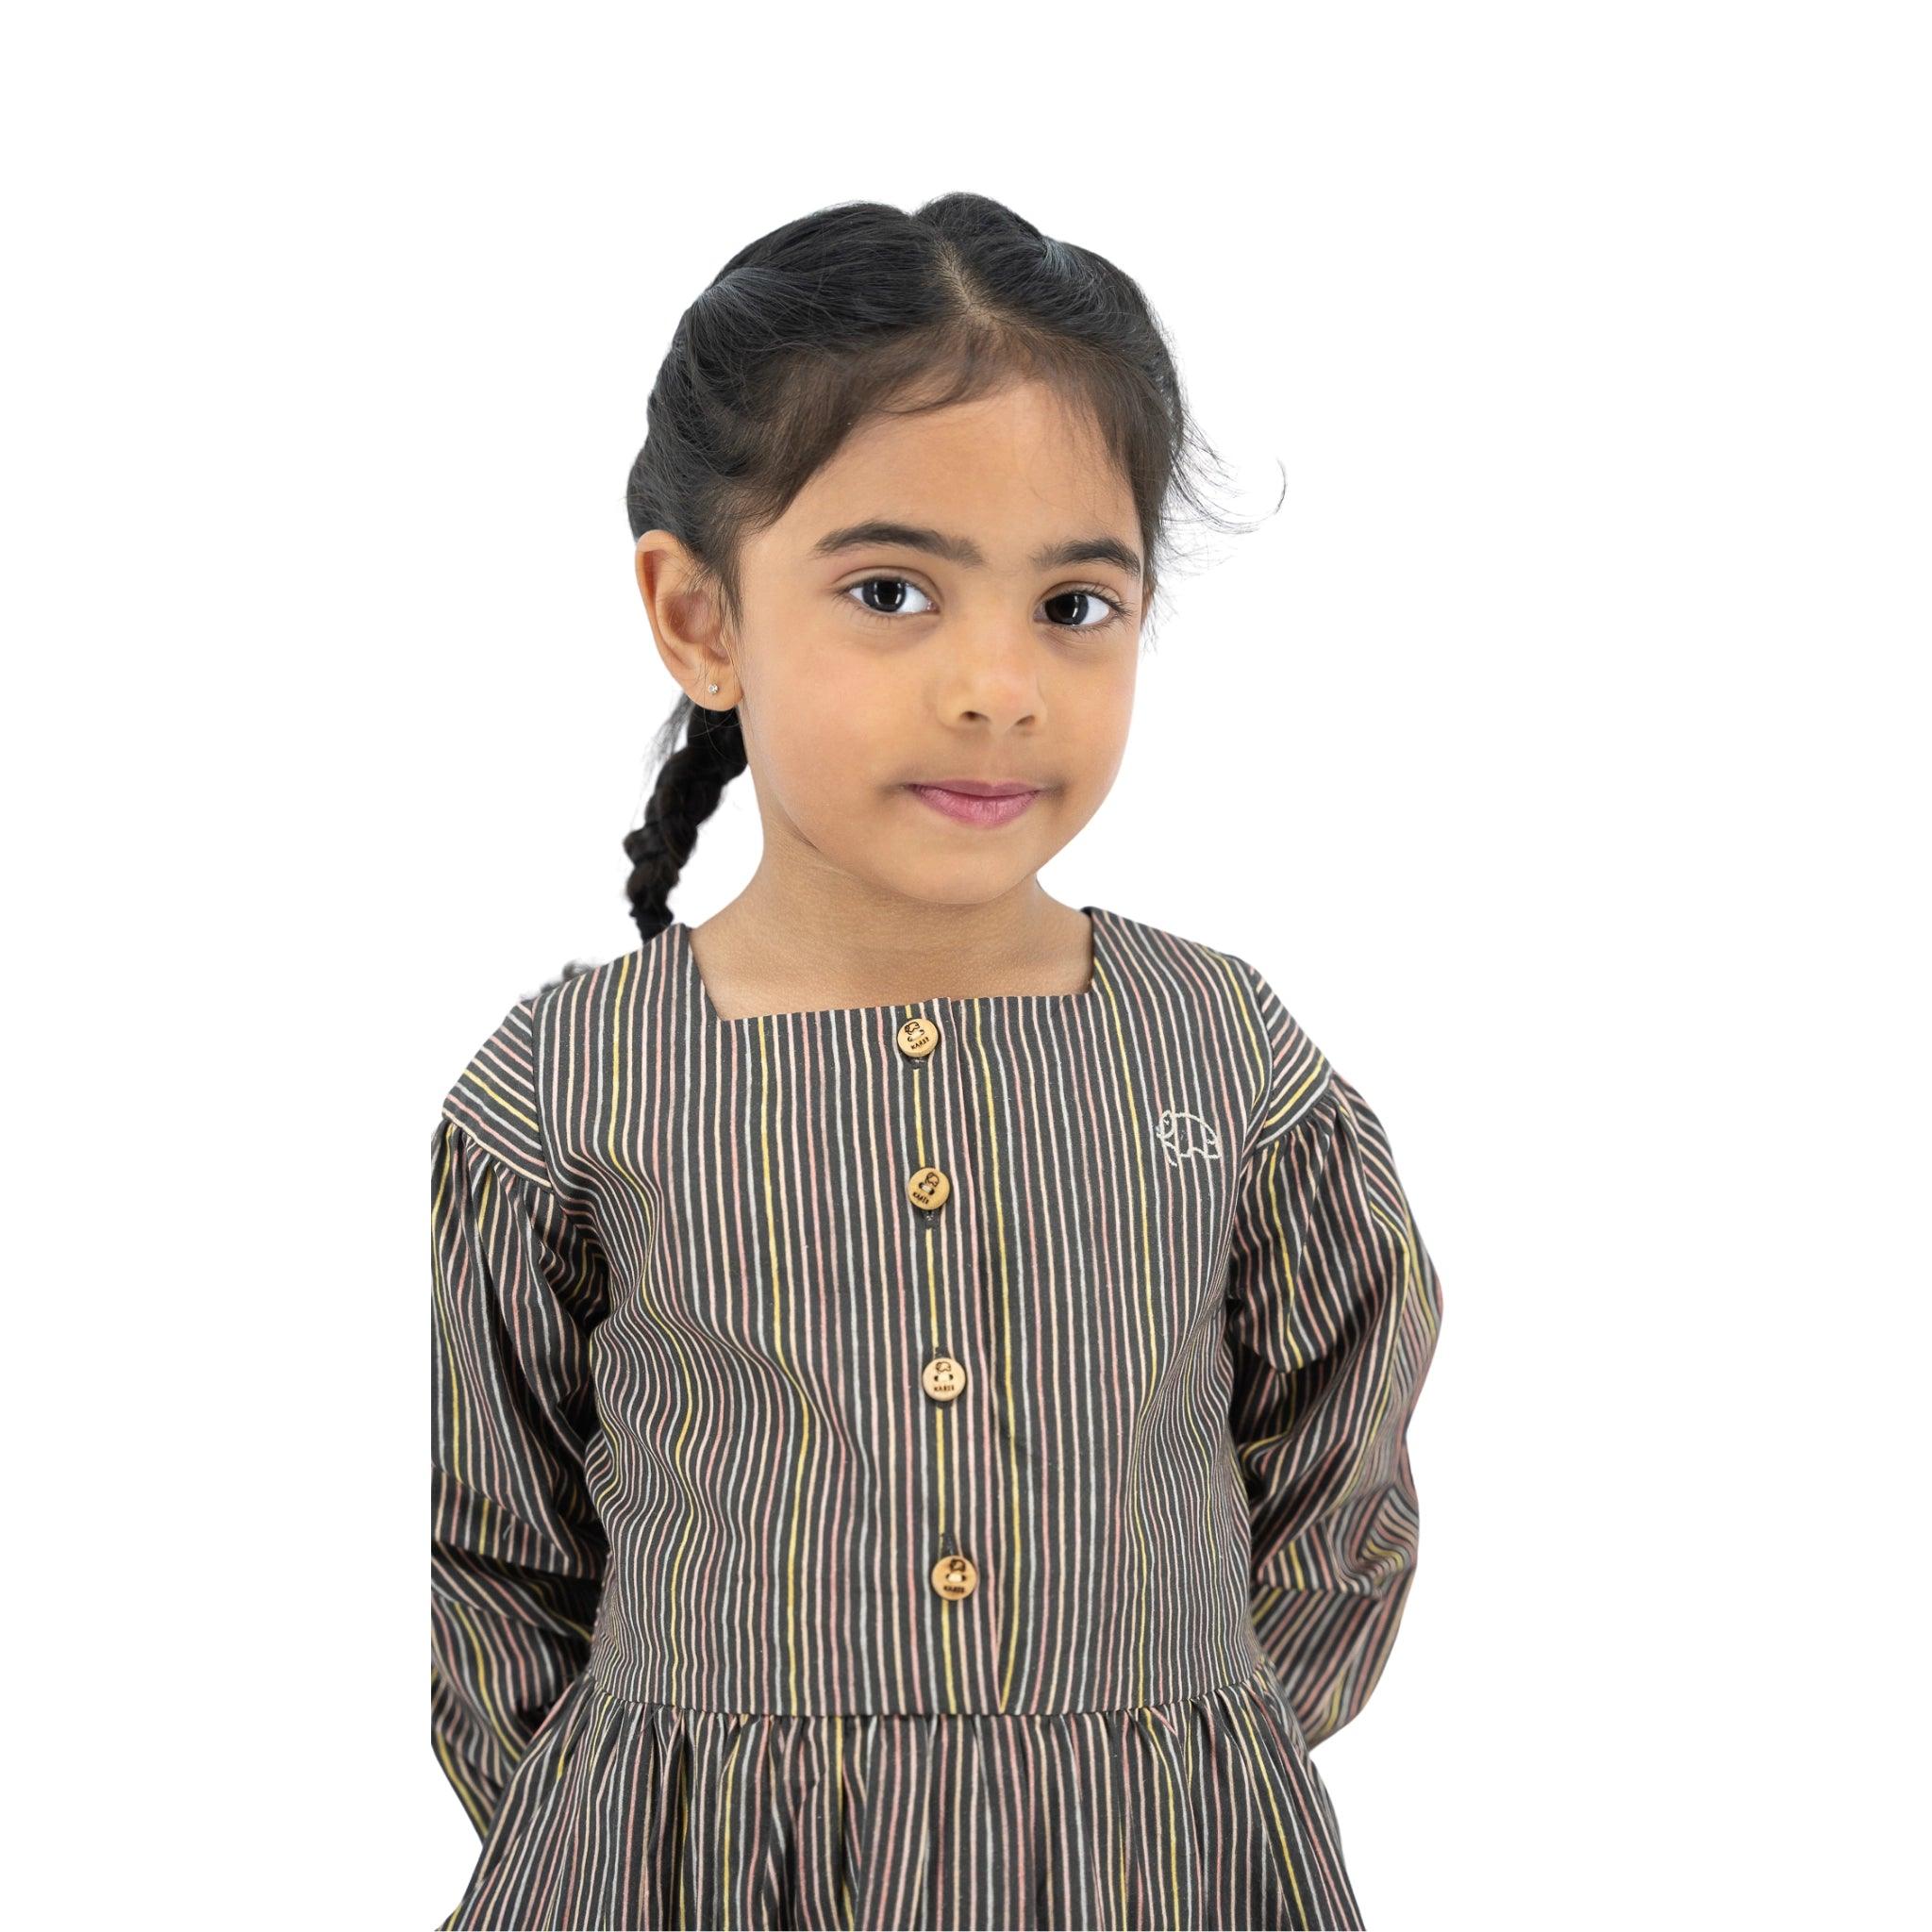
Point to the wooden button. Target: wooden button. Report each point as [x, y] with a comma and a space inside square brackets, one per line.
[918, 1037]
[929, 1187]
[954, 1576]
[943, 1377]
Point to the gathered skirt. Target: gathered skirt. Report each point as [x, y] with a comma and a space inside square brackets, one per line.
[1206, 1811]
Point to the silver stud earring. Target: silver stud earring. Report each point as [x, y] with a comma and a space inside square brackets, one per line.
[711, 686]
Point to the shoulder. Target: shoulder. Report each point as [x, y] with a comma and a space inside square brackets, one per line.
[541, 1057]
[1236, 1011]
[1145, 956]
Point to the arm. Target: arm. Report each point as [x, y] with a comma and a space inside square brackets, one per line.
[517, 1549]
[1334, 1305]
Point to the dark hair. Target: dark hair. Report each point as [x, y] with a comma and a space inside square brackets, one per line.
[842, 314]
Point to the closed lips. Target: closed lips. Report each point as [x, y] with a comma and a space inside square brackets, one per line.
[970, 803]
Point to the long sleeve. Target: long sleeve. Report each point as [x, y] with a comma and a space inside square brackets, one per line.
[517, 1551]
[1334, 1306]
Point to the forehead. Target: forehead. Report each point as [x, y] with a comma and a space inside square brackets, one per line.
[1006, 471]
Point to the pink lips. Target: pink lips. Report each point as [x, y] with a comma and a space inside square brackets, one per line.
[973, 804]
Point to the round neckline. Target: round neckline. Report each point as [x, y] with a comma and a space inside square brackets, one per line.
[1096, 915]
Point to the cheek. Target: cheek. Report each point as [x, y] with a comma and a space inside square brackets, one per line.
[825, 729]
[1097, 720]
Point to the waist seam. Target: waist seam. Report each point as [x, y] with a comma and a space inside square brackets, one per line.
[1259, 1671]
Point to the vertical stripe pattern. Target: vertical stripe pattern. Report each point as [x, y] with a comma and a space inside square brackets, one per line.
[690, 1666]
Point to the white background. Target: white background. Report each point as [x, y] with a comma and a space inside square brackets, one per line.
[1593, 344]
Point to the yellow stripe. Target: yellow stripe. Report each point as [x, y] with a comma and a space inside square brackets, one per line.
[1272, 1197]
[1148, 1724]
[453, 1443]
[487, 1684]
[503, 1100]
[1133, 1121]
[1244, 1006]
[1016, 1530]
[620, 1167]
[1257, 1768]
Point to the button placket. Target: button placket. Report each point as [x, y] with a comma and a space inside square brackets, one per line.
[954, 1574]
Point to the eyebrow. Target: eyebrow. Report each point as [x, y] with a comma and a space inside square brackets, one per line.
[883, 533]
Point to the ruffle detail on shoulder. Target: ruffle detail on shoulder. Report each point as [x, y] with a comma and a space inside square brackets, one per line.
[1294, 1070]
[495, 1098]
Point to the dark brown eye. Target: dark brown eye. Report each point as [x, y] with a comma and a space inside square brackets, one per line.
[893, 592]
[1090, 609]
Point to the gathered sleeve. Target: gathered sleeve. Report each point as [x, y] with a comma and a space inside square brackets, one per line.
[517, 1550]
[1333, 1309]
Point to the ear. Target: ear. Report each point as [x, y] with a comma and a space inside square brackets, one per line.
[686, 619]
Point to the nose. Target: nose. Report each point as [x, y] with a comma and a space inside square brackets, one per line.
[995, 677]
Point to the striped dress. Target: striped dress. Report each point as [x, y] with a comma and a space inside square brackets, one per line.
[939, 1464]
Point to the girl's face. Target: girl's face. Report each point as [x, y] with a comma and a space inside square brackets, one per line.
[955, 597]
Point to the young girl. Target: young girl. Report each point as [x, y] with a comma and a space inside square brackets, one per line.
[921, 1372]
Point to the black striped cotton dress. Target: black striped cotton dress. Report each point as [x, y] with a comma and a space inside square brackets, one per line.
[939, 1464]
